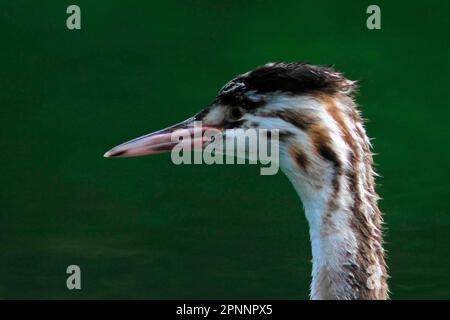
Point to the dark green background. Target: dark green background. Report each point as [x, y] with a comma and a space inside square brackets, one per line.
[145, 228]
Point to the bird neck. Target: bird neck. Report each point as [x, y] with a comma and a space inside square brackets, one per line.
[335, 182]
[347, 253]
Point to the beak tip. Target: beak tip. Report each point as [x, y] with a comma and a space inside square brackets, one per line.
[115, 153]
[108, 154]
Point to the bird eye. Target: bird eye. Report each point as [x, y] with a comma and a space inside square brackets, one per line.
[235, 113]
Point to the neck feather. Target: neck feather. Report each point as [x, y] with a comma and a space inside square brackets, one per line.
[348, 258]
[336, 184]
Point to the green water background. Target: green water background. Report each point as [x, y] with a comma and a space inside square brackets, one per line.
[144, 228]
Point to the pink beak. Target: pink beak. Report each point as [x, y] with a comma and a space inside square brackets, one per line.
[163, 141]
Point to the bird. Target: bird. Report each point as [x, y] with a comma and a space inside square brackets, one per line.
[324, 152]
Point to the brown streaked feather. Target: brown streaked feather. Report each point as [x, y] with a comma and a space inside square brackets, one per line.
[300, 157]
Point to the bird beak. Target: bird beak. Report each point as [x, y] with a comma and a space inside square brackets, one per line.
[163, 140]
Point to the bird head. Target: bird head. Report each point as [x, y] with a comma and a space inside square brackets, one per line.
[293, 98]
[323, 150]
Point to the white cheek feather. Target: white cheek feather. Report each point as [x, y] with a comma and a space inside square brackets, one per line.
[215, 115]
